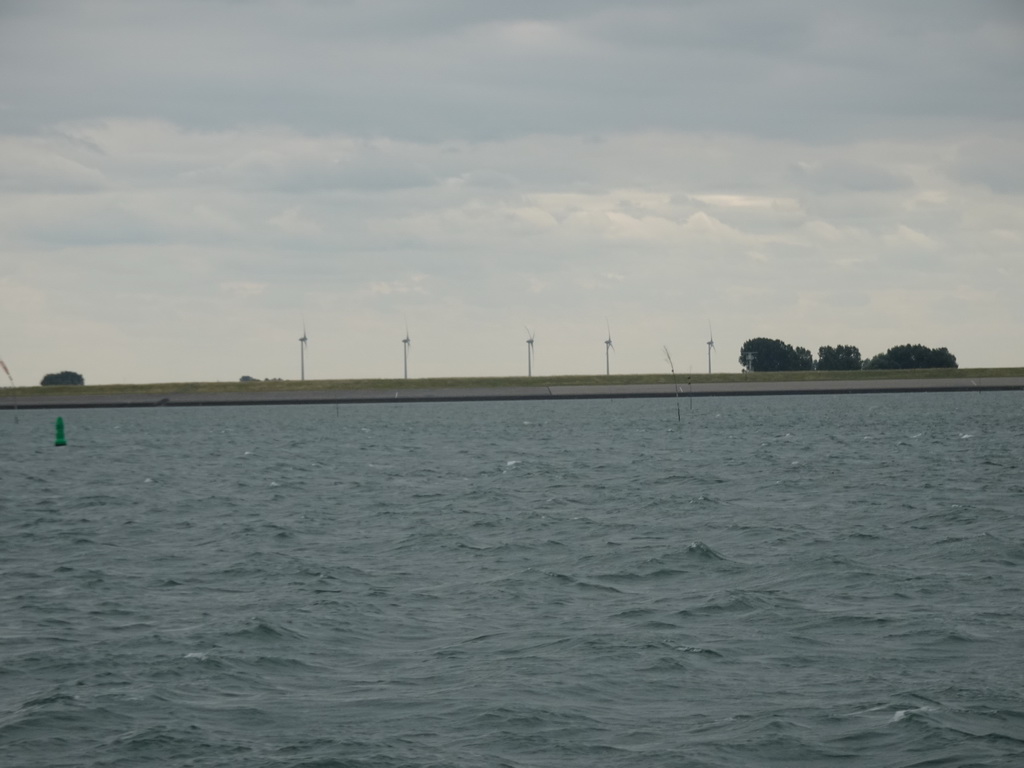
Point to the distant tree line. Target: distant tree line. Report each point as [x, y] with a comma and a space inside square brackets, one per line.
[763, 354]
[63, 378]
[773, 355]
[913, 356]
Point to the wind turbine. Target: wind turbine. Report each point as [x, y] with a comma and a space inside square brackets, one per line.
[406, 342]
[13, 397]
[302, 352]
[675, 384]
[608, 348]
[529, 352]
[711, 345]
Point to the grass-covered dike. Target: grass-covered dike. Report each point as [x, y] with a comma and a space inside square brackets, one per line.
[315, 385]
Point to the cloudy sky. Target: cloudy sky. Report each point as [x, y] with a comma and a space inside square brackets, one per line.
[184, 183]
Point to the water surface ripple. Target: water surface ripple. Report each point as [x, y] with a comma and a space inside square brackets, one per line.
[769, 581]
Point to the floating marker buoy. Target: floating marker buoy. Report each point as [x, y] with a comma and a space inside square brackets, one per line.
[60, 433]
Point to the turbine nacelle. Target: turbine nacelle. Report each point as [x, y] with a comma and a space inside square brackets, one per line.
[711, 345]
[406, 343]
[608, 347]
[529, 352]
[303, 340]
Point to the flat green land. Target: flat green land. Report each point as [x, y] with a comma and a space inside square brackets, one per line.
[508, 381]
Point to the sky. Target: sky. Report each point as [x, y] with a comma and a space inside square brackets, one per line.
[185, 185]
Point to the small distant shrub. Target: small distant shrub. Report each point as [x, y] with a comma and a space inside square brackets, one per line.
[64, 378]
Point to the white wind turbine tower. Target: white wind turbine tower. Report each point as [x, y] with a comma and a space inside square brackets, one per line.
[302, 353]
[406, 342]
[711, 345]
[529, 352]
[607, 349]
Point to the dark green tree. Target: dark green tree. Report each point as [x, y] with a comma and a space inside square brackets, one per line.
[879, 362]
[803, 359]
[65, 378]
[843, 357]
[913, 356]
[763, 354]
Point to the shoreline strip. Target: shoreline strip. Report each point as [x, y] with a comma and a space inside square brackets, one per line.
[485, 394]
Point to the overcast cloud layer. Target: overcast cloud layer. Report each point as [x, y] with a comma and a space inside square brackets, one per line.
[184, 184]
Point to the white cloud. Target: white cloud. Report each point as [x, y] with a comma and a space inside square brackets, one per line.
[293, 222]
[906, 237]
[821, 175]
[244, 290]
[411, 284]
[749, 201]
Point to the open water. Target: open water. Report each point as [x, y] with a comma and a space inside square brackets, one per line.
[773, 581]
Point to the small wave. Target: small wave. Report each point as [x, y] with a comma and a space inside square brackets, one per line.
[704, 499]
[634, 613]
[863, 535]
[902, 714]
[259, 629]
[42, 701]
[702, 550]
[732, 602]
[653, 575]
[598, 587]
[566, 579]
[697, 649]
[98, 500]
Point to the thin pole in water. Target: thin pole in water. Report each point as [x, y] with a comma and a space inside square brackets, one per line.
[14, 395]
[675, 384]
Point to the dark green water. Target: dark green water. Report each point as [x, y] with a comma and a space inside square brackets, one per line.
[811, 580]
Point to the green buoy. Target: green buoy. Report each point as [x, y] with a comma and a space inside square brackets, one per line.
[60, 432]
